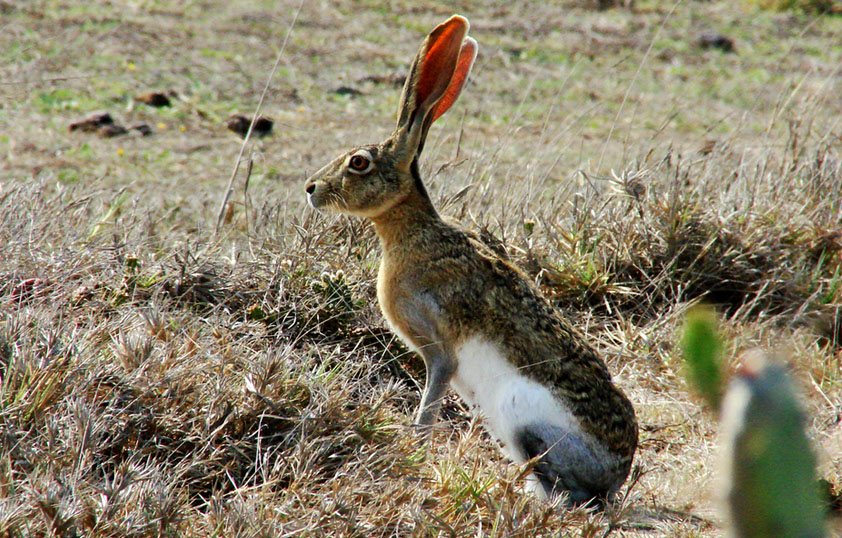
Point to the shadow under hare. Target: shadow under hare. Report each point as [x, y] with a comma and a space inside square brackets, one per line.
[481, 326]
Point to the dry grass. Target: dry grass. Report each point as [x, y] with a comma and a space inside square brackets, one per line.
[158, 379]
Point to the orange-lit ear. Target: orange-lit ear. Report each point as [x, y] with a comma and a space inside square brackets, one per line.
[436, 77]
[439, 61]
[463, 67]
[431, 72]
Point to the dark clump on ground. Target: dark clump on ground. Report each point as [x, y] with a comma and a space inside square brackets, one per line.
[154, 99]
[240, 124]
[715, 40]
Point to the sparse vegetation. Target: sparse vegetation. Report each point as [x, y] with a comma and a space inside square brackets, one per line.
[157, 379]
[805, 6]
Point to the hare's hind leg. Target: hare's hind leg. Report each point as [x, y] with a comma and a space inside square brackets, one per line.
[567, 463]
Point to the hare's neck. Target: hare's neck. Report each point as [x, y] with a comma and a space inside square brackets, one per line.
[406, 223]
[410, 221]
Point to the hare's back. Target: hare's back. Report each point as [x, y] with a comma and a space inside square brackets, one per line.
[542, 346]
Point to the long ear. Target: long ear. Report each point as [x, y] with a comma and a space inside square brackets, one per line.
[463, 67]
[434, 82]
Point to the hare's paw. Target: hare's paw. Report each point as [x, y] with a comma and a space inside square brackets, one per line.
[422, 433]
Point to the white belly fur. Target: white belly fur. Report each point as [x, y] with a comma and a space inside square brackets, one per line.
[505, 398]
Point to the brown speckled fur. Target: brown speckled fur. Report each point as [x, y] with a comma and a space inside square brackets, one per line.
[438, 286]
[481, 293]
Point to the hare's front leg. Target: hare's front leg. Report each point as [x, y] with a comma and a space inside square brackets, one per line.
[416, 317]
[440, 370]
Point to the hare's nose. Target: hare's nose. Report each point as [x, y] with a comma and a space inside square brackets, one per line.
[311, 188]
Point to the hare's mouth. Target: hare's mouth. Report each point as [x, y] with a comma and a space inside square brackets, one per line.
[312, 200]
[325, 200]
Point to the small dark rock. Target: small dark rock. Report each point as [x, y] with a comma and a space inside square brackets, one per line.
[346, 90]
[240, 125]
[110, 131]
[141, 128]
[92, 123]
[395, 79]
[715, 40]
[156, 99]
[263, 126]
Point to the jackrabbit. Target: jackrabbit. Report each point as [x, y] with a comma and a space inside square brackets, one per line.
[475, 318]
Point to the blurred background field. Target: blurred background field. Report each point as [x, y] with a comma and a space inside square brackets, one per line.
[160, 378]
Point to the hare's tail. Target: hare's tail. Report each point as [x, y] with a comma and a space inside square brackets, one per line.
[567, 463]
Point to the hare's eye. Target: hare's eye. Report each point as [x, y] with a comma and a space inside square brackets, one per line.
[360, 162]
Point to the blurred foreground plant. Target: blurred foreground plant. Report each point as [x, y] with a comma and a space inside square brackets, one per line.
[701, 347]
[771, 485]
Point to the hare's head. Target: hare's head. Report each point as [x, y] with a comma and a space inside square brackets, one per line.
[369, 180]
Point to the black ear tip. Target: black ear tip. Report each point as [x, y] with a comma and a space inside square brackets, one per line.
[311, 188]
